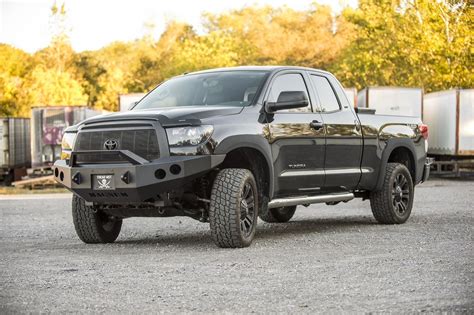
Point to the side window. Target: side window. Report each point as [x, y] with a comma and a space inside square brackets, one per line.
[289, 82]
[326, 94]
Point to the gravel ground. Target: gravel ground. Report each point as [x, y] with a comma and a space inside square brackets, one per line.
[327, 259]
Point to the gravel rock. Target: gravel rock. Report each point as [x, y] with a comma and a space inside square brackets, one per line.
[326, 259]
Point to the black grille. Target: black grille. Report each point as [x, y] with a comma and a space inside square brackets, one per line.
[142, 142]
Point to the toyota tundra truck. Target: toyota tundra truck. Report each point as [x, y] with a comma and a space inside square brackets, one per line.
[228, 146]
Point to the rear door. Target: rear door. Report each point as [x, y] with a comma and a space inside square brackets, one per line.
[296, 139]
[343, 133]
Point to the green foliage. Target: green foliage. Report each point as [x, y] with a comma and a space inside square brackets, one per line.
[13, 68]
[383, 42]
[48, 86]
[283, 36]
[409, 43]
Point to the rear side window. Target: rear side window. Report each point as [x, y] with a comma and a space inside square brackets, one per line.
[288, 82]
[326, 95]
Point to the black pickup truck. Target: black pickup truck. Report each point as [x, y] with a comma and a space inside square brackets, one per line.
[227, 146]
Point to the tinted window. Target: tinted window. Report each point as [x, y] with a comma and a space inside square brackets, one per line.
[288, 82]
[326, 95]
[230, 88]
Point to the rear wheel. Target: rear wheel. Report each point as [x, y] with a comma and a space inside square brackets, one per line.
[233, 209]
[93, 226]
[278, 215]
[393, 203]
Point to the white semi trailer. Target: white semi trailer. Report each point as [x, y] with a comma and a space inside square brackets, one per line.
[392, 100]
[450, 119]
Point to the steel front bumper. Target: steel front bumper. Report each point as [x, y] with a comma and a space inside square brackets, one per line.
[136, 181]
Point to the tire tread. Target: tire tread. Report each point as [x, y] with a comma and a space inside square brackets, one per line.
[224, 223]
[380, 201]
[87, 225]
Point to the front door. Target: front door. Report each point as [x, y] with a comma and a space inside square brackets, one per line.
[297, 140]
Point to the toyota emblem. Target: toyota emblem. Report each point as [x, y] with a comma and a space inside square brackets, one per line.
[111, 144]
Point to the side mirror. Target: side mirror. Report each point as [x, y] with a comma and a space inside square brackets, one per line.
[288, 100]
[132, 105]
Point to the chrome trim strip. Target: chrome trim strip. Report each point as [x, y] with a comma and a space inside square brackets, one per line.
[342, 171]
[337, 171]
[301, 173]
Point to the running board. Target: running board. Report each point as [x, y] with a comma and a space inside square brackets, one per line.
[294, 201]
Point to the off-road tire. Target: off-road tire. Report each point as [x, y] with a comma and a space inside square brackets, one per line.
[277, 215]
[93, 226]
[385, 208]
[225, 209]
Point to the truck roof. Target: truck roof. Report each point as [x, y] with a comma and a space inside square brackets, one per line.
[256, 68]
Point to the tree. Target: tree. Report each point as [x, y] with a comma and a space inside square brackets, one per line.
[156, 58]
[54, 79]
[51, 87]
[269, 35]
[14, 66]
[409, 43]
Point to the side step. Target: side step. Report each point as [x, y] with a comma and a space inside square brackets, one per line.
[294, 201]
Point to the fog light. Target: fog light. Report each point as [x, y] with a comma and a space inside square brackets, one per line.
[160, 173]
[175, 169]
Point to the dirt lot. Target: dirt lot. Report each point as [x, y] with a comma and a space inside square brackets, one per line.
[326, 259]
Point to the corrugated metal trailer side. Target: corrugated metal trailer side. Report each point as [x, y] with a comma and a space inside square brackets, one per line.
[15, 153]
[15, 142]
[450, 118]
[387, 100]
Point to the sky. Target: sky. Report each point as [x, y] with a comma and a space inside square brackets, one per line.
[93, 24]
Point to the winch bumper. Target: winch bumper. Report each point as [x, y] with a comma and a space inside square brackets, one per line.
[134, 181]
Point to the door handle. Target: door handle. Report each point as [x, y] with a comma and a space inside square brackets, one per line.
[316, 125]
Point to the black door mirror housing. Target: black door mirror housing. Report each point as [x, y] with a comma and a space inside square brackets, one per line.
[288, 100]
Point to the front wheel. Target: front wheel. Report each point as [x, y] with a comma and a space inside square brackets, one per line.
[233, 209]
[93, 226]
[393, 203]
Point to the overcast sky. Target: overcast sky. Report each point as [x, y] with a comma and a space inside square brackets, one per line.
[95, 23]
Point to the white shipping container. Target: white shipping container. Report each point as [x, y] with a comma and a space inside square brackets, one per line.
[125, 100]
[351, 95]
[392, 100]
[450, 119]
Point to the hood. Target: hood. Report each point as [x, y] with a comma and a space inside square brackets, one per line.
[170, 116]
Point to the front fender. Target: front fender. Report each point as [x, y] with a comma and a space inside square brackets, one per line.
[256, 142]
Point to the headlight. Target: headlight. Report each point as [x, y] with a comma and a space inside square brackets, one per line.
[67, 145]
[188, 136]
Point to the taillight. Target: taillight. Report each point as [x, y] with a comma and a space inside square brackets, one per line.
[423, 130]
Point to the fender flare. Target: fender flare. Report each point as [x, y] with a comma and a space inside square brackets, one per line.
[250, 141]
[392, 144]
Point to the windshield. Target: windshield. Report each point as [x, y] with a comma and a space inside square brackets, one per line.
[230, 88]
